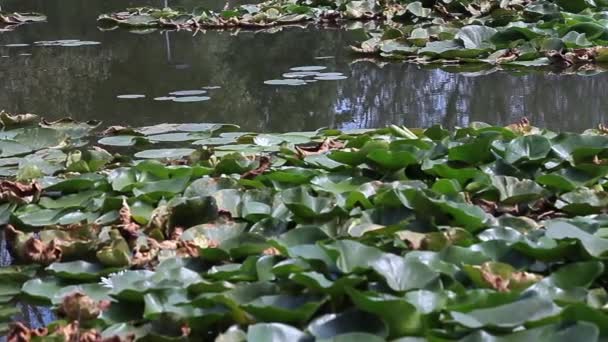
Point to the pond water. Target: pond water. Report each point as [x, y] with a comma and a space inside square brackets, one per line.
[127, 79]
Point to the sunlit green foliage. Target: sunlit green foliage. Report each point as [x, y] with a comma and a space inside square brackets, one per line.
[197, 231]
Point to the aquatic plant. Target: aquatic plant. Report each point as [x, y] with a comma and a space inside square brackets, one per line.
[10, 20]
[524, 33]
[199, 231]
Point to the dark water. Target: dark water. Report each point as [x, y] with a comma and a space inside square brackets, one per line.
[84, 82]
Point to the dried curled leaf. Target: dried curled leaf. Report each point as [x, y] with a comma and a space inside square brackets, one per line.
[17, 192]
[69, 332]
[522, 126]
[128, 227]
[264, 166]
[502, 278]
[20, 333]
[80, 307]
[327, 145]
[12, 120]
[31, 248]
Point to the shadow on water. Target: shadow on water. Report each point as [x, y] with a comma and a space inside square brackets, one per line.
[84, 82]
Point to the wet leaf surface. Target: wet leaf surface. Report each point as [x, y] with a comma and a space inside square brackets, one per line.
[479, 233]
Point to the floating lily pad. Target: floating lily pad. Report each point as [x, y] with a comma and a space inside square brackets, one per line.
[308, 68]
[191, 99]
[331, 78]
[170, 153]
[300, 74]
[187, 92]
[67, 43]
[285, 82]
[131, 96]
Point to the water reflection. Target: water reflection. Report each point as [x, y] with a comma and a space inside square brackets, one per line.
[84, 81]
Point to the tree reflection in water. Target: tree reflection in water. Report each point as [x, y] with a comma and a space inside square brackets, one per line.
[83, 82]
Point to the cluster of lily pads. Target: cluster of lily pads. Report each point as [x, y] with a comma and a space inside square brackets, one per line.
[10, 20]
[521, 33]
[194, 95]
[179, 232]
[306, 74]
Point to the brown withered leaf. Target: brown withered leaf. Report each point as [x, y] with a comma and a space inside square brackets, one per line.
[186, 330]
[69, 332]
[574, 57]
[487, 206]
[17, 192]
[505, 280]
[12, 120]
[271, 251]
[495, 281]
[522, 126]
[128, 227]
[72, 333]
[114, 130]
[146, 256]
[80, 307]
[263, 167]
[20, 333]
[42, 253]
[414, 240]
[327, 145]
[30, 248]
[176, 233]
[509, 56]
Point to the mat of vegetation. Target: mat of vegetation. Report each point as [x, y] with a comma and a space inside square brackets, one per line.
[511, 32]
[10, 20]
[179, 232]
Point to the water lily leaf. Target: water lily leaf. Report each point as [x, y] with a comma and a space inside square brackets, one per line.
[594, 245]
[476, 36]
[563, 286]
[94, 291]
[304, 204]
[554, 332]
[400, 274]
[77, 200]
[332, 325]
[284, 308]
[319, 282]
[582, 201]
[512, 190]
[530, 305]
[168, 153]
[527, 148]
[162, 187]
[354, 336]
[41, 289]
[572, 147]
[401, 317]
[276, 332]
[9, 148]
[122, 140]
[191, 99]
[187, 92]
[168, 302]
[77, 270]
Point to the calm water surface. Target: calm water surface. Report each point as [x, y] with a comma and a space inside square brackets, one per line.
[84, 82]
